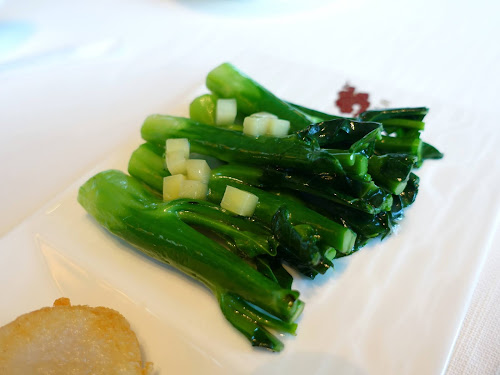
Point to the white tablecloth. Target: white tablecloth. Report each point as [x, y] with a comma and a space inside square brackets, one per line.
[446, 51]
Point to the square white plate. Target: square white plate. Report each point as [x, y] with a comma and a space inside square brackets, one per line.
[394, 307]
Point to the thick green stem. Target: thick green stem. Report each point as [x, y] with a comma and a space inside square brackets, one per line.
[127, 209]
[401, 145]
[147, 161]
[202, 109]
[404, 123]
[416, 114]
[233, 146]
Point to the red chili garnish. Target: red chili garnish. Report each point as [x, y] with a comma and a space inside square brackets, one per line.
[348, 98]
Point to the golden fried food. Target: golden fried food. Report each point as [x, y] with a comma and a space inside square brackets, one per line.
[70, 340]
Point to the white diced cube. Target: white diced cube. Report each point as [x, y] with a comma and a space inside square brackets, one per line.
[193, 190]
[225, 111]
[239, 201]
[172, 186]
[177, 144]
[255, 125]
[278, 127]
[176, 162]
[198, 170]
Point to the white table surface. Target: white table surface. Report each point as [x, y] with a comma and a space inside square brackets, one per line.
[447, 51]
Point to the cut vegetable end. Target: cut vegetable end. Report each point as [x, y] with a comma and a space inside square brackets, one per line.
[399, 187]
[263, 123]
[174, 145]
[348, 242]
[239, 201]
[330, 253]
[193, 190]
[255, 126]
[176, 162]
[264, 339]
[198, 170]
[298, 308]
[172, 185]
[202, 109]
[278, 127]
[225, 112]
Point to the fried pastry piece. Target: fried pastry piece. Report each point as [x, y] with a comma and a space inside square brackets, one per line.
[70, 340]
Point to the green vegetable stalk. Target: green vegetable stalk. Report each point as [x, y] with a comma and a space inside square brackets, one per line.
[233, 146]
[125, 207]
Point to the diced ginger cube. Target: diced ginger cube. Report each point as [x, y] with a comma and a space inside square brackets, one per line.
[278, 127]
[177, 144]
[198, 170]
[194, 190]
[172, 186]
[255, 125]
[239, 201]
[176, 162]
[225, 111]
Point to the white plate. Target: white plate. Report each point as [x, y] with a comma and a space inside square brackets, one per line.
[392, 308]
